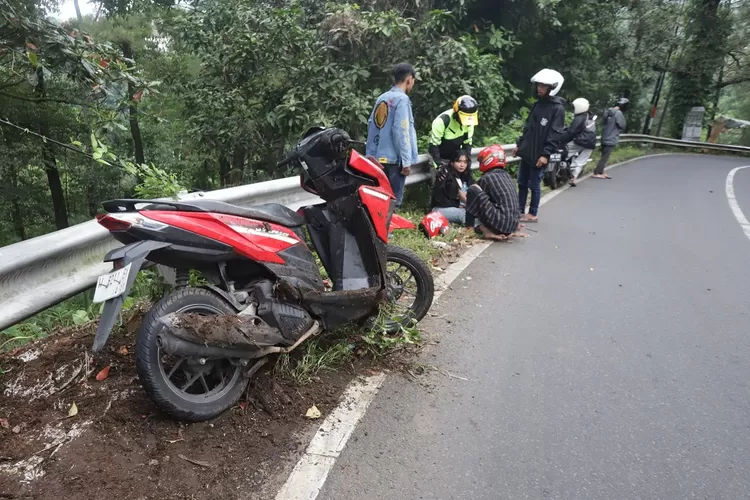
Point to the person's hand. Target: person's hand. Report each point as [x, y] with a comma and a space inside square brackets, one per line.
[514, 152]
[406, 170]
[462, 196]
[542, 161]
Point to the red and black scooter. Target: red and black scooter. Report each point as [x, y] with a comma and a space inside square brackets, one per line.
[198, 346]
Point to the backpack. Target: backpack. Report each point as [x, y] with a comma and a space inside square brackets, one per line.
[587, 137]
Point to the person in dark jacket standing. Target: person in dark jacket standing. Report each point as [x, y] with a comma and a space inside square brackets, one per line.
[581, 138]
[614, 124]
[540, 139]
[449, 192]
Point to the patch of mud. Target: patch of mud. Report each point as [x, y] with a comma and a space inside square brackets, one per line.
[119, 446]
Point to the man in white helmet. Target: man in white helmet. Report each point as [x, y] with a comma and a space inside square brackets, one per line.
[541, 138]
[581, 137]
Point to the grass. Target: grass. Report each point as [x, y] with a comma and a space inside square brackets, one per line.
[316, 356]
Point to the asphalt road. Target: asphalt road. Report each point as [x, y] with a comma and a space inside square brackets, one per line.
[606, 357]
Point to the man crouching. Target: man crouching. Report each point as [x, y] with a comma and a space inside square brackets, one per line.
[494, 200]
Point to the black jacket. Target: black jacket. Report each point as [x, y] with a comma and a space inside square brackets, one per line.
[543, 130]
[578, 133]
[445, 191]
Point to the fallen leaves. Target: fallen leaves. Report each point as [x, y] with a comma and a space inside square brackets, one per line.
[180, 437]
[4, 423]
[195, 462]
[313, 412]
[73, 411]
[103, 374]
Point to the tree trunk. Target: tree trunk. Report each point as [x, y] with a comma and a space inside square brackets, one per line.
[79, 17]
[135, 129]
[91, 201]
[50, 165]
[18, 226]
[717, 97]
[666, 108]
[55, 184]
[238, 164]
[223, 169]
[15, 206]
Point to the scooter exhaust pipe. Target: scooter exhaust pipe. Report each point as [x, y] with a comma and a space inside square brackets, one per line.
[176, 346]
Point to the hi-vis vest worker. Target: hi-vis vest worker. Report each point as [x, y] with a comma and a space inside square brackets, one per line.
[454, 129]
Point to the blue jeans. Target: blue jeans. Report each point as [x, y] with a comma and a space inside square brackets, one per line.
[397, 180]
[454, 215]
[529, 178]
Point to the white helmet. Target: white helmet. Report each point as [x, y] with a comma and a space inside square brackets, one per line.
[549, 77]
[580, 105]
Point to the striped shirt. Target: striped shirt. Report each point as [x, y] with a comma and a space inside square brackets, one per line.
[497, 205]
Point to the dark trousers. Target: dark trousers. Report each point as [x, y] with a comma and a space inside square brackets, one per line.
[529, 178]
[606, 151]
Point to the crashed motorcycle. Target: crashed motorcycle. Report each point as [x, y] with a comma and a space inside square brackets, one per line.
[263, 293]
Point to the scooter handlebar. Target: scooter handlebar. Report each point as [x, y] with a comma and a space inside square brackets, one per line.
[286, 161]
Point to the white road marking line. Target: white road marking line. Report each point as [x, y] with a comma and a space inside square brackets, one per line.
[454, 270]
[736, 210]
[311, 472]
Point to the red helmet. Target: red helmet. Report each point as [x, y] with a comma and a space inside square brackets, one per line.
[491, 157]
[434, 224]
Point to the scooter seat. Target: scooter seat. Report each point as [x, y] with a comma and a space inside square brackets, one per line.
[268, 212]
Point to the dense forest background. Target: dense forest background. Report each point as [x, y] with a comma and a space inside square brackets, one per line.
[154, 96]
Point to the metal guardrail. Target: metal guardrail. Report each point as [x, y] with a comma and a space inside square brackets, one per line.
[665, 141]
[38, 273]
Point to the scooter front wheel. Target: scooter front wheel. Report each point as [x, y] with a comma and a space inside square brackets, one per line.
[550, 179]
[410, 288]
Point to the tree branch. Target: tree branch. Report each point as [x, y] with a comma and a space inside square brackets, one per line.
[44, 99]
[12, 84]
[734, 81]
[736, 60]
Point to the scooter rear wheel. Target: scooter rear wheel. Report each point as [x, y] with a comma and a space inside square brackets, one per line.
[187, 388]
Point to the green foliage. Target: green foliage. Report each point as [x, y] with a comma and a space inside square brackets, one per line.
[705, 50]
[211, 94]
[316, 357]
[379, 340]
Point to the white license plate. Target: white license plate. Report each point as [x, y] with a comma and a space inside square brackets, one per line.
[555, 157]
[111, 285]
